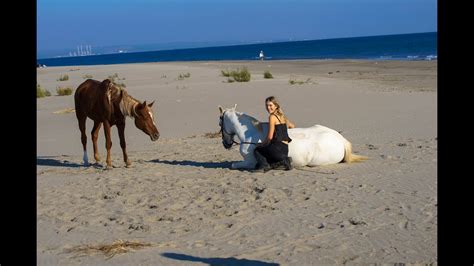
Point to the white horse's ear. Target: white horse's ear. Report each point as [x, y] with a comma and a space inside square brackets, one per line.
[221, 110]
[235, 106]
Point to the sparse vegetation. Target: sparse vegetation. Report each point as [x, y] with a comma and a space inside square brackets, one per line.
[87, 76]
[298, 82]
[40, 92]
[225, 73]
[115, 80]
[267, 74]
[213, 135]
[183, 76]
[62, 91]
[108, 250]
[239, 75]
[63, 77]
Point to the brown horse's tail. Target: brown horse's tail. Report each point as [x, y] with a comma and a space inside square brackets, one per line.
[349, 157]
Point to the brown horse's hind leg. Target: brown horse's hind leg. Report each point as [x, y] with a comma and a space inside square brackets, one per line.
[95, 135]
[108, 143]
[121, 132]
[82, 127]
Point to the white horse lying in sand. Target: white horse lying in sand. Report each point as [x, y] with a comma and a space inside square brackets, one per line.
[312, 146]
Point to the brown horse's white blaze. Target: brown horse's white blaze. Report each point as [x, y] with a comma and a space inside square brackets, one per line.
[106, 104]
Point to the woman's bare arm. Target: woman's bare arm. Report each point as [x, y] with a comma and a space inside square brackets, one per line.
[271, 130]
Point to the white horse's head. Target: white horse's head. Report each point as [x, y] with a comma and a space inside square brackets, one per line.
[227, 120]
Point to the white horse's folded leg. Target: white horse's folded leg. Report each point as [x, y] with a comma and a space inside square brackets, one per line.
[246, 150]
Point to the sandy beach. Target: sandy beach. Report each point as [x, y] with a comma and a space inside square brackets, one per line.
[181, 196]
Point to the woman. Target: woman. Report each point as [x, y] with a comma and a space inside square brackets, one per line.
[272, 153]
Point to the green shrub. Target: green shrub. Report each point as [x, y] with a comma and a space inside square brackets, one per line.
[115, 78]
[299, 82]
[242, 75]
[40, 93]
[64, 91]
[239, 75]
[63, 78]
[183, 76]
[267, 74]
[225, 73]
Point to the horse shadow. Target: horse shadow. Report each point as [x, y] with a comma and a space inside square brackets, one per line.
[214, 165]
[218, 261]
[50, 161]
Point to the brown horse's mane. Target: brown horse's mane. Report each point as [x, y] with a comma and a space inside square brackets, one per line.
[127, 102]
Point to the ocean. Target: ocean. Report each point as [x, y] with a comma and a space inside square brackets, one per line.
[416, 46]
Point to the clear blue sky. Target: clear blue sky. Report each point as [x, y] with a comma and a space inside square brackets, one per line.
[68, 23]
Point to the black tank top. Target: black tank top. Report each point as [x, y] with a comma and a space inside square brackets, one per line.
[281, 132]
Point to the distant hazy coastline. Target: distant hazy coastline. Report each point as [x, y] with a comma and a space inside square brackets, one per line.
[417, 46]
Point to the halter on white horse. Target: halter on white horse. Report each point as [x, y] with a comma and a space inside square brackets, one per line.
[312, 146]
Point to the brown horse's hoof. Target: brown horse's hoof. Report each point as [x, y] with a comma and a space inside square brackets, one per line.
[108, 167]
[128, 165]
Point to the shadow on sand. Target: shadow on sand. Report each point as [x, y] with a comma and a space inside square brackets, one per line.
[218, 261]
[50, 161]
[225, 164]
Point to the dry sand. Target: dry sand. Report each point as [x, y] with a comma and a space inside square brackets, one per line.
[181, 196]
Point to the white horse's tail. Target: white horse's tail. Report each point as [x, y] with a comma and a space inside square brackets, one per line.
[349, 157]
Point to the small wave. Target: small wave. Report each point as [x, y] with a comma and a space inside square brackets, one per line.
[413, 57]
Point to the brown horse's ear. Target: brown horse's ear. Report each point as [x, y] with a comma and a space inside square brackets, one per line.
[151, 104]
[140, 106]
[221, 110]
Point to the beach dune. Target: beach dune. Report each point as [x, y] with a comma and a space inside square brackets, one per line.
[181, 196]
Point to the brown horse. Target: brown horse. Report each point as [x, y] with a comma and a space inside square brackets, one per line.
[107, 104]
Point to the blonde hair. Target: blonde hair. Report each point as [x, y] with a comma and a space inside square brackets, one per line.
[278, 111]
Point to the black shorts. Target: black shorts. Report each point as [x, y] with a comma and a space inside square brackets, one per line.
[274, 152]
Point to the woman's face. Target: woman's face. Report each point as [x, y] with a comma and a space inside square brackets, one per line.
[270, 107]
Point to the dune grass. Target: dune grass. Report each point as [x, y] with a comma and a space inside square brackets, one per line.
[267, 74]
[108, 250]
[116, 80]
[213, 135]
[62, 91]
[239, 75]
[183, 76]
[63, 77]
[40, 92]
[299, 82]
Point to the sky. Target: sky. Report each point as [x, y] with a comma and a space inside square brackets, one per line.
[65, 24]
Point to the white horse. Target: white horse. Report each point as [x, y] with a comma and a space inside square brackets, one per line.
[312, 146]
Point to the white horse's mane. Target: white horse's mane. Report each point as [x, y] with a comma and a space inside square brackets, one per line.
[253, 120]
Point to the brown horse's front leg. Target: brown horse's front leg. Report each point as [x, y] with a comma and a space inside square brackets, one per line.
[121, 132]
[95, 135]
[108, 143]
[81, 118]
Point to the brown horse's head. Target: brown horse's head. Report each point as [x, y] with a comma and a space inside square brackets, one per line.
[144, 120]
